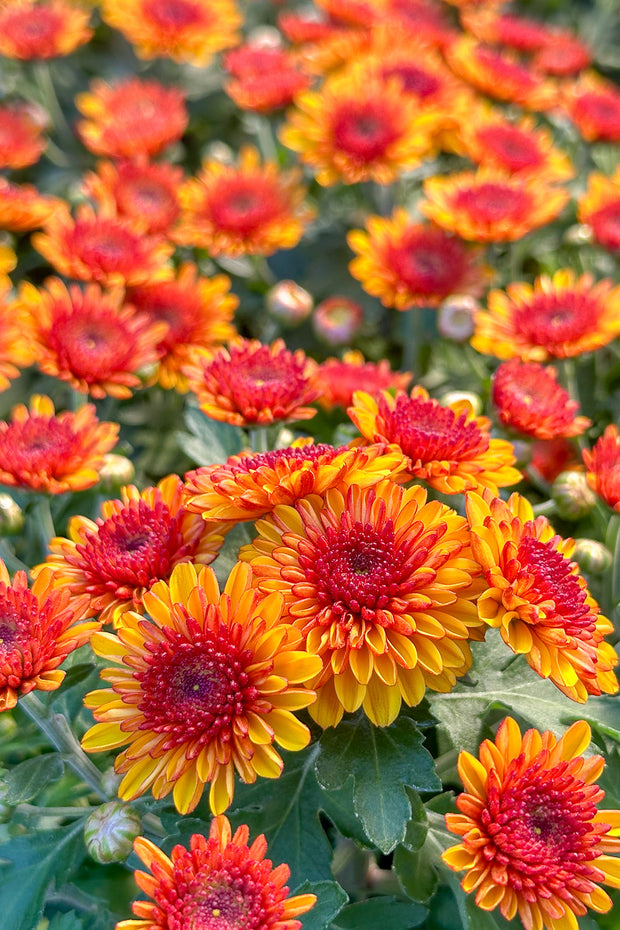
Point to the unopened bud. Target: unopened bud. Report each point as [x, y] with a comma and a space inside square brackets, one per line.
[337, 319]
[453, 397]
[116, 471]
[110, 830]
[455, 317]
[265, 37]
[579, 234]
[592, 556]
[572, 496]
[289, 303]
[11, 516]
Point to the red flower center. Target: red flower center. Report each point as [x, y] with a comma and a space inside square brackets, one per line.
[89, 348]
[605, 225]
[363, 130]
[516, 148]
[25, 641]
[414, 80]
[428, 432]
[33, 32]
[505, 70]
[244, 204]
[38, 446]
[148, 198]
[174, 14]
[292, 456]
[106, 247]
[602, 109]
[490, 202]
[220, 909]
[554, 319]
[428, 262]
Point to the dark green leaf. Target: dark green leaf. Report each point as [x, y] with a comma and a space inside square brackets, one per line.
[416, 873]
[228, 556]
[69, 921]
[330, 899]
[382, 760]
[384, 912]
[26, 780]
[208, 442]
[417, 828]
[339, 807]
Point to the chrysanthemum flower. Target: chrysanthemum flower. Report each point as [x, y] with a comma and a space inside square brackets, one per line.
[323, 45]
[220, 882]
[500, 75]
[107, 249]
[39, 627]
[137, 190]
[137, 541]
[603, 466]
[446, 445]
[489, 24]
[557, 317]
[360, 13]
[407, 264]
[380, 583]
[16, 349]
[247, 209]
[537, 598]
[529, 399]
[88, 337]
[20, 136]
[338, 379]
[490, 206]
[46, 29]
[201, 690]
[264, 78]
[533, 841]
[199, 314]
[419, 18]
[131, 118]
[562, 55]
[249, 485]
[250, 384]
[187, 31]
[49, 453]
[594, 106]
[550, 457]
[358, 127]
[22, 207]
[599, 208]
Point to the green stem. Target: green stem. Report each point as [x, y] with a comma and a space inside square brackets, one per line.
[612, 542]
[65, 812]
[261, 128]
[42, 515]
[45, 84]
[59, 733]
[545, 509]
[9, 558]
[412, 340]
[568, 370]
[259, 439]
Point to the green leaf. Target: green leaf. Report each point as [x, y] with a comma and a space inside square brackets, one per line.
[34, 862]
[384, 912]
[417, 828]
[209, 442]
[381, 760]
[416, 873]
[339, 807]
[69, 921]
[26, 780]
[330, 899]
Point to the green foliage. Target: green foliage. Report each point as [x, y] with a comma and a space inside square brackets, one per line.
[208, 442]
[384, 912]
[25, 781]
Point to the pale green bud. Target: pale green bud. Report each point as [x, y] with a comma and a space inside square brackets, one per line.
[110, 830]
[572, 496]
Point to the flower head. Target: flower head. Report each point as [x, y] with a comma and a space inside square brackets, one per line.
[599, 208]
[36, 29]
[137, 541]
[533, 841]
[419, 18]
[529, 399]
[537, 598]
[20, 136]
[339, 379]
[407, 264]
[379, 582]
[245, 209]
[337, 320]
[263, 78]
[219, 881]
[563, 55]
[250, 383]
[44, 452]
[135, 189]
[131, 118]
[16, 349]
[557, 317]
[603, 466]
[550, 457]
[594, 106]
[188, 31]
[446, 445]
[22, 207]
[200, 690]
[249, 485]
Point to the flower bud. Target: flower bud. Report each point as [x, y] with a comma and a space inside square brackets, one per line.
[452, 397]
[572, 496]
[579, 234]
[337, 319]
[11, 516]
[289, 303]
[455, 317]
[110, 830]
[116, 471]
[592, 556]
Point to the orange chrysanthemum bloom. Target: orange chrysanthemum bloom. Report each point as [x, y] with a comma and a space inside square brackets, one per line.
[593, 104]
[380, 583]
[249, 485]
[557, 317]
[199, 315]
[110, 250]
[187, 31]
[20, 135]
[322, 45]
[529, 399]
[22, 207]
[220, 879]
[537, 598]
[500, 75]
[603, 466]
[249, 384]
[264, 78]
[417, 18]
[88, 338]
[516, 147]
[446, 445]
[358, 127]
[46, 29]
[339, 379]
[407, 264]
[533, 841]
[132, 118]
[490, 206]
[39, 628]
[489, 24]
[562, 55]
[550, 457]
[137, 541]
[146, 193]
[200, 690]
[44, 452]
[248, 209]
[16, 349]
[599, 208]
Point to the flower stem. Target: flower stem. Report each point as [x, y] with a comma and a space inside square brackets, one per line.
[412, 340]
[45, 84]
[259, 439]
[42, 515]
[9, 558]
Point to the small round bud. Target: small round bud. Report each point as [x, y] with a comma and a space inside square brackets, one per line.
[11, 516]
[337, 320]
[289, 303]
[572, 496]
[452, 397]
[110, 830]
[265, 37]
[455, 317]
[116, 471]
[579, 234]
[592, 556]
